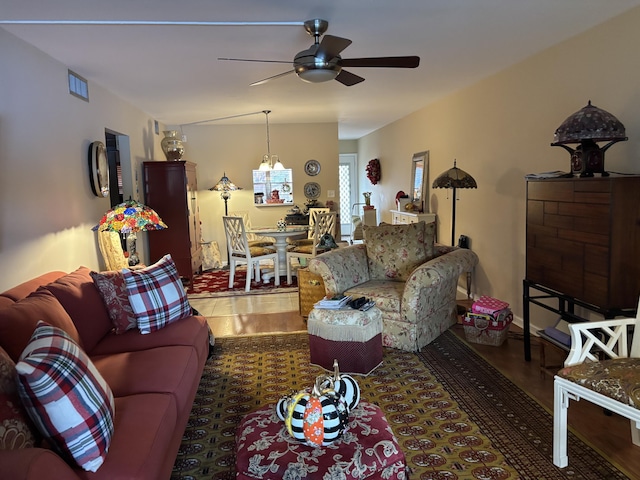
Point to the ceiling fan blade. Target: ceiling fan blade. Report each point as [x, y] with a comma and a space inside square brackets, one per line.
[386, 62]
[252, 60]
[348, 78]
[265, 80]
[331, 46]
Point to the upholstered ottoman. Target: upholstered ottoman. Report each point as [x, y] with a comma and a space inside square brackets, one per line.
[352, 337]
[367, 450]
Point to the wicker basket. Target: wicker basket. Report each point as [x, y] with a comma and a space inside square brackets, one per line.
[486, 329]
[310, 290]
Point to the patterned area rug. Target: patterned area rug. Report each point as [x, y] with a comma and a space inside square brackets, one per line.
[215, 283]
[454, 415]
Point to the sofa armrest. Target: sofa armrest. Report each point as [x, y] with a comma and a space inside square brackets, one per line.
[341, 268]
[441, 249]
[34, 464]
[437, 275]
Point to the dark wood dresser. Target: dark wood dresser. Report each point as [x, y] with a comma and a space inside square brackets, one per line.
[171, 189]
[583, 245]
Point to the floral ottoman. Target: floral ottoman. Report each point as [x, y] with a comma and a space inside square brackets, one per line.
[352, 337]
[367, 450]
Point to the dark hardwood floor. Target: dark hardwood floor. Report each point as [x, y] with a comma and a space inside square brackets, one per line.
[610, 435]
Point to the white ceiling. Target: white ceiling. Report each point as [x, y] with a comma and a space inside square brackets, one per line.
[172, 72]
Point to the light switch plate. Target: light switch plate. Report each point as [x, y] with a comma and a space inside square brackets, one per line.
[331, 194]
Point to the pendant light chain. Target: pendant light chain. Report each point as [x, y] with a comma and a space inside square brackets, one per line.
[266, 114]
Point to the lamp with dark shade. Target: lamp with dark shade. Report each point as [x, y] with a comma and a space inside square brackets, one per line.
[454, 178]
[586, 127]
[224, 186]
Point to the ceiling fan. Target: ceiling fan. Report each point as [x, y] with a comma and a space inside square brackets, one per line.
[322, 61]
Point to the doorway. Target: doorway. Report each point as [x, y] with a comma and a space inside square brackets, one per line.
[348, 190]
[116, 193]
[120, 172]
[119, 160]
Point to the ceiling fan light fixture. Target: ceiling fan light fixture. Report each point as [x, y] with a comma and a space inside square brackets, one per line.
[315, 75]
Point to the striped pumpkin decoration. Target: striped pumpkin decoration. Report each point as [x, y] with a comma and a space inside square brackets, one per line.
[318, 416]
[346, 386]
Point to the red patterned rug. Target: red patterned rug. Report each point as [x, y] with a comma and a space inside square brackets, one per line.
[215, 283]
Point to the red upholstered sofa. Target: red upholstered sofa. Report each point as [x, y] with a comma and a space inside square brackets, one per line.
[153, 377]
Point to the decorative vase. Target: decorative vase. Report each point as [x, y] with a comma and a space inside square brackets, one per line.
[367, 198]
[281, 225]
[172, 145]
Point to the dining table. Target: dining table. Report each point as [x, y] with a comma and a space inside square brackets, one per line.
[280, 235]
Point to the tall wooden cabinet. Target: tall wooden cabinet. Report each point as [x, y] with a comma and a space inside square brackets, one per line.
[583, 247]
[583, 238]
[171, 189]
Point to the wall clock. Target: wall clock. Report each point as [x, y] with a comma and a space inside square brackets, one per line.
[311, 190]
[98, 169]
[312, 168]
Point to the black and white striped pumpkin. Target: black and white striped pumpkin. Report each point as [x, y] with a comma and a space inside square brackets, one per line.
[317, 420]
[318, 416]
[347, 387]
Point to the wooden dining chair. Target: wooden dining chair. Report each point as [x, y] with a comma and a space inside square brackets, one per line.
[325, 223]
[241, 253]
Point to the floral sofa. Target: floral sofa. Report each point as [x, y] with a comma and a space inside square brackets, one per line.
[87, 391]
[412, 280]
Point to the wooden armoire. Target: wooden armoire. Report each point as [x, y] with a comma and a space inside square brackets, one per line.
[171, 189]
[583, 238]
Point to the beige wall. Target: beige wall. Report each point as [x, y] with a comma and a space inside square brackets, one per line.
[499, 130]
[47, 208]
[238, 150]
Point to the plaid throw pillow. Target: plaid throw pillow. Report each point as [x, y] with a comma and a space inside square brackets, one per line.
[156, 295]
[66, 397]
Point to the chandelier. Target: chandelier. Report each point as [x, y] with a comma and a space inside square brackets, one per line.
[269, 162]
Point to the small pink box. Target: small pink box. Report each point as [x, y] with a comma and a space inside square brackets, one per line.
[488, 305]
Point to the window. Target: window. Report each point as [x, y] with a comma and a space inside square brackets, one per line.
[78, 86]
[272, 187]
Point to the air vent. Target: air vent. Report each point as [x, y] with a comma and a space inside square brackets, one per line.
[78, 86]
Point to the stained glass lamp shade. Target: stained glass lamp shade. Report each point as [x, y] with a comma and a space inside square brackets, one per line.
[128, 218]
[225, 186]
[454, 178]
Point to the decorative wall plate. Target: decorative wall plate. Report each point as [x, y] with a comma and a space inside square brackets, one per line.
[99, 169]
[311, 190]
[312, 168]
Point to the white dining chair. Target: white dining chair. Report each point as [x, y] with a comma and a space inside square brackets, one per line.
[602, 368]
[241, 253]
[324, 223]
[253, 239]
[313, 215]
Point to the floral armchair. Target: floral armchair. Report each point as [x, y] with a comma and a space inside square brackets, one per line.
[412, 280]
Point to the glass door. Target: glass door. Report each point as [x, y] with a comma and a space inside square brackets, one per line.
[348, 190]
